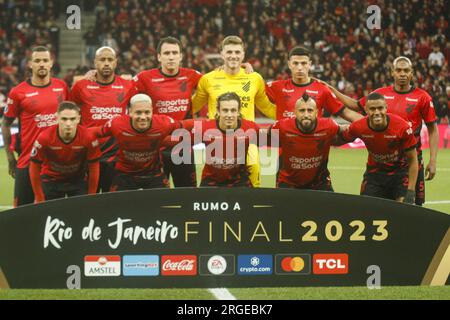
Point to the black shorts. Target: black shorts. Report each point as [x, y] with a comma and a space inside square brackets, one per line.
[241, 181]
[183, 175]
[323, 185]
[23, 191]
[420, 184]
[123, 181]
[385, 186]
[106, 176]
[60, 189]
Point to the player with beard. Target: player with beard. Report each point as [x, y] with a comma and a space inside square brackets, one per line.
[305, 140]
[100, 100]
[61, 155]
[139, 135]
[392, 165]
[34, 102]
[414, 105]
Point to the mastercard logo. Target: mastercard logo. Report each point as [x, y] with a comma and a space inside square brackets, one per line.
[293, 264]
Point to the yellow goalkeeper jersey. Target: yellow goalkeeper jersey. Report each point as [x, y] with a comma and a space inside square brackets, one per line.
[249, 86]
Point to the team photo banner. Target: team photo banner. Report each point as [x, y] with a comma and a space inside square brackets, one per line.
[213, 237]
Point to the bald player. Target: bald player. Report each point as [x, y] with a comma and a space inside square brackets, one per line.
[101, 100]
[139, 135]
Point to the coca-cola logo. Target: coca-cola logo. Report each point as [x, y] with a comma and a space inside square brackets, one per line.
[181, 265]
[178, 265]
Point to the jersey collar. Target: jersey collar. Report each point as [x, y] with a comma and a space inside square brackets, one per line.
[302, 85]
[44, 86]
[168, 75]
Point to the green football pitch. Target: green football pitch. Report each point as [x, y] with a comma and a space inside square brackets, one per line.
[346, 167]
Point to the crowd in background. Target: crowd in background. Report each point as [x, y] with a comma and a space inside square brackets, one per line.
[346, 53]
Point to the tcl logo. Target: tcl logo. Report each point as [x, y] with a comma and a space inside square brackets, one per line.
[330, 263]
[179, 265]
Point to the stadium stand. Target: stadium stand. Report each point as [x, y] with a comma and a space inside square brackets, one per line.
[347, 54]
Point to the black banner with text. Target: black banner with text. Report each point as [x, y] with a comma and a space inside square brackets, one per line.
[210, 237]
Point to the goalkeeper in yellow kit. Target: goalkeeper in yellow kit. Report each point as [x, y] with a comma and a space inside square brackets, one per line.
[249, 86]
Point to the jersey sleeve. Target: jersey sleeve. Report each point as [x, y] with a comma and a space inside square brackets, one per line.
[427, 109]
[139, 84]
[262, 101]
[75, 94]
[362, 103]
[66, 91]
[200, 98]
[333, 127]
[349, 134]
[271, 92]
[195, 77]
[332, 104]
[408, 139]
[38, 151]
[93, 153]
[12, 109]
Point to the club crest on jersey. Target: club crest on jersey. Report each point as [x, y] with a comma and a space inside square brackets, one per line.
[246, 86]
[33, 152]
[410, 107]
[120, 96]
[183, 86]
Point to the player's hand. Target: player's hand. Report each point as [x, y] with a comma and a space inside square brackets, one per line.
[248, 67]
[12, 163]
[410, 197]
[91, 75]
[430, 170]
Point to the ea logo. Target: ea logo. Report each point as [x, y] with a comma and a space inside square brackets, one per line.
[217, 265]
[292, 264]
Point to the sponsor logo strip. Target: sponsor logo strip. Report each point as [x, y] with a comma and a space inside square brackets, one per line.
[140, 265]
[330, 263]
[256, 264]
[102, 266]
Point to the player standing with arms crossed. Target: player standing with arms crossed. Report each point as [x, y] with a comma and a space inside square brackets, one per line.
[35, 103]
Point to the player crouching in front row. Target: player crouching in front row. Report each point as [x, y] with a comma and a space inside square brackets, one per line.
[139, 136]
[392, 165]
[60, 156]
[227, 139]
[305, 141]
